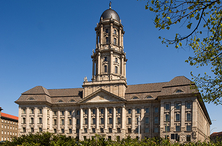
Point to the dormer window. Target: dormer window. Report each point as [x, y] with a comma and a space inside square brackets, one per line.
[149, 96]
[60, 101]
[72, 100]
[31, 98]
[179, 91]
[135, 97]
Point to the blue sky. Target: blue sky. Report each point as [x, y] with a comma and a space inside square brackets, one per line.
[49, 43]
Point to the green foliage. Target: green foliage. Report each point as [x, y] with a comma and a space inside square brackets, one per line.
[199, 16]
[49, 139]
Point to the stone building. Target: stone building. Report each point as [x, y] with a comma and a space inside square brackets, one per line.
[9, 126]
[107, 106]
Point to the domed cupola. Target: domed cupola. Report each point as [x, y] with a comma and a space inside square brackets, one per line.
[110, 13]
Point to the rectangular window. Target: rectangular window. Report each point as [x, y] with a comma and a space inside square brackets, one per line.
[147, 120]
[32, 111]
[101, 130]
[116, 69]
[156, 130]
[110, 120]
[55, 131]
[167, 106]
[102, 121]
[188, 105]
[110, 110]
[101, 111]
[129, 130]
[119, 110]
[156, 120]
[77, 121]
[146, 130]
[129, 111]
[147, 110]
[70, 131]
[86, 111]
[188, 127]
[114, 41]
[94, 120]
[119, 120]
[24, 112]
[86, 121]
[62, 121]
[55, 113]
[138, 111]
[188, 138]
[156, 109]
[177, 128]
[85, 130]
[177, 117]
[63, 113]
[129, 120]
[40, 111]
[177, 106]
[40, 129]
[32, 121]
[188, 117]
[70, 113]
[32, 130]
[54, 121]
[118, 130]
[167, 128]
[24, 130]
[107, 40]
[167, 118]
[77, 112]
[40, 120]
[94, 111]
[107, 31]
[77, 130]
[93, 130]
[62, 130]
[70, 121]
[110, 130]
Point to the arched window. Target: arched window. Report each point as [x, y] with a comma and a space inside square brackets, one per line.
[72, 100]
[114, 31]
[135, 97]
[179, 91]
[105, 68]
[116, 60]
[114, 41]
[60, 101]
[149, 96]
[31, 98]
[116, 69]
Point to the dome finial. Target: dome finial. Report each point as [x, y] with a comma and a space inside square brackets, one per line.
[110, 4]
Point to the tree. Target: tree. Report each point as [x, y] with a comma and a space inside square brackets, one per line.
[204, 19]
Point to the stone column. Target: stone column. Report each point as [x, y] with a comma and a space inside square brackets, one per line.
[58, 122]
[50, 121]
[81, 119]
[123, 118]
[44, 119]
[122, 65]
[114, 117]
[142, 121]
[162, 117]
[27, 120]
[111, 33]
[120, 34]
[111, 63]
[89, 119]
[36, 119]
[172, 117]
[74, 121]
[183, 118]
[97, 119]
[133, 119]
[194, 114]
[98, 66]
[101, 34]
[66, 121]
[105, 119]
[20, 121]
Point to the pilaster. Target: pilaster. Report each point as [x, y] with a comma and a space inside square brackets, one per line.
[44, 119]
[114, 117]
[27, 120]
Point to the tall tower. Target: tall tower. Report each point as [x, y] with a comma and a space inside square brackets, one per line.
[108, 59]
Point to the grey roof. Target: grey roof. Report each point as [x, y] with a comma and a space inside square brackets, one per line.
[107, 14]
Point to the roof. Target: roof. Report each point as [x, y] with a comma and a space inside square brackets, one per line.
[216, 134]
[9, 116]
[110, 13]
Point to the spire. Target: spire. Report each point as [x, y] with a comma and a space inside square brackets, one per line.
[110, 4]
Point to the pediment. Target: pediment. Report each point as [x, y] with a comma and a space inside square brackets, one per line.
[101, 95]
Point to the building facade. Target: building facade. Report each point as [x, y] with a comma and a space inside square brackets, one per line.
[107, 106]
[9, 126]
